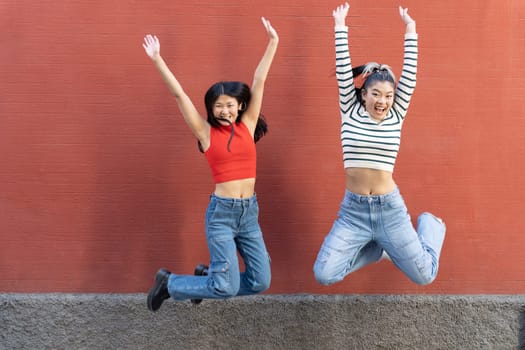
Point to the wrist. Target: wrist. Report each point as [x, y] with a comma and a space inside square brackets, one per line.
[411, 27]
[155, 57]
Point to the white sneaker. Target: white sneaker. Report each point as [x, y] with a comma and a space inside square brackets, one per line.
[385, 256]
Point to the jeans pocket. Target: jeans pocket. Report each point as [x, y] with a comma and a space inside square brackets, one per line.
[219, 272]
[346, 209]
[396, 203]
[212, 206]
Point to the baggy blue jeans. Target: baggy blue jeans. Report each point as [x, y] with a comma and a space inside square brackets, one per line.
[367, 225]
[231, 225]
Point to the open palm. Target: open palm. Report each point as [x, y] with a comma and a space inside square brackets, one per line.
[272, 33]
[151, 45]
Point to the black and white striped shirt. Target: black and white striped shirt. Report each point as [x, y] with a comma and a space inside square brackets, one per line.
[368, 143]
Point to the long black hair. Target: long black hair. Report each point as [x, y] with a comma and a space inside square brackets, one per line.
[372, 72]
[241, 92]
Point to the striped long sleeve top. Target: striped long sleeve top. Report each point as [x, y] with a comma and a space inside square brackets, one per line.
[366, 142]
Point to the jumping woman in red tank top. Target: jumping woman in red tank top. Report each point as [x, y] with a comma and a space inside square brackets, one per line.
[227, 138]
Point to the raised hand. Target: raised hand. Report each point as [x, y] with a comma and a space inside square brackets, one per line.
[151, 46]
[340, 14]
[272, 33]
[403, 12]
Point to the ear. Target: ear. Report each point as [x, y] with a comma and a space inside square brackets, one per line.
[241, 106]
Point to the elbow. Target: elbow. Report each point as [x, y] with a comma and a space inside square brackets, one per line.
[179, 94]
[258, 80]
[176, 94]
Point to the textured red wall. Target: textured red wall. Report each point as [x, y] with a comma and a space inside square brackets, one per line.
[101, 182]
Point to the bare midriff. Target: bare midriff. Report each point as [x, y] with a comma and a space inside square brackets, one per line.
[244, 188]
[367, 181]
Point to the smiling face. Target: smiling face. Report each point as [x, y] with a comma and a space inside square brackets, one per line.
[378, 98]
[226, 107]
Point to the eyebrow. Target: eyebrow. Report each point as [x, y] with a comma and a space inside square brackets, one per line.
[376, 90]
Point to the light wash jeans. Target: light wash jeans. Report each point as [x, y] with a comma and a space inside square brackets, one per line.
[231, 225]
[366, 226]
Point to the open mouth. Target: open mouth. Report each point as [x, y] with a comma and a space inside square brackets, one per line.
[380, 109]
[225, 120]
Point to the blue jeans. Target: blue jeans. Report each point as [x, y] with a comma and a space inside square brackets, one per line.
[366, 226]
[231, 225]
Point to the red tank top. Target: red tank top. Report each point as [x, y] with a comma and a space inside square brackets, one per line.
[237, 163]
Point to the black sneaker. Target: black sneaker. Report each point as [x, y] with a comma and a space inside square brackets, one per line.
[200, 270]
[159, 292]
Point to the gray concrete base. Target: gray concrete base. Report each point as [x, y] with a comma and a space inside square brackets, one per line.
[122, 321]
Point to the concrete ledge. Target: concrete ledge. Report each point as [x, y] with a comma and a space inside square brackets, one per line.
[121, 321]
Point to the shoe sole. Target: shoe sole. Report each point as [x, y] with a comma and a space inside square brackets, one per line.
[160, 277]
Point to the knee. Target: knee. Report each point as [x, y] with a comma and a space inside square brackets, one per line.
[226, 290]
[258, 280]
[264, 283]
[225, 280]
[423, 280]
[325, 280]
[425, 276]
[322, 277]
[261, 284]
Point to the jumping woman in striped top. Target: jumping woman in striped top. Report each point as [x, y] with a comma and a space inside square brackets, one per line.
[373, 218]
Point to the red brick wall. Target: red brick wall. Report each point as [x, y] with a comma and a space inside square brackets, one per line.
[101, 182]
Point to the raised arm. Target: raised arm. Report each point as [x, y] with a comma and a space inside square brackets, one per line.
[251, 115]
[343, 63]
[407, 80]
[409, 22]
[199, 127]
